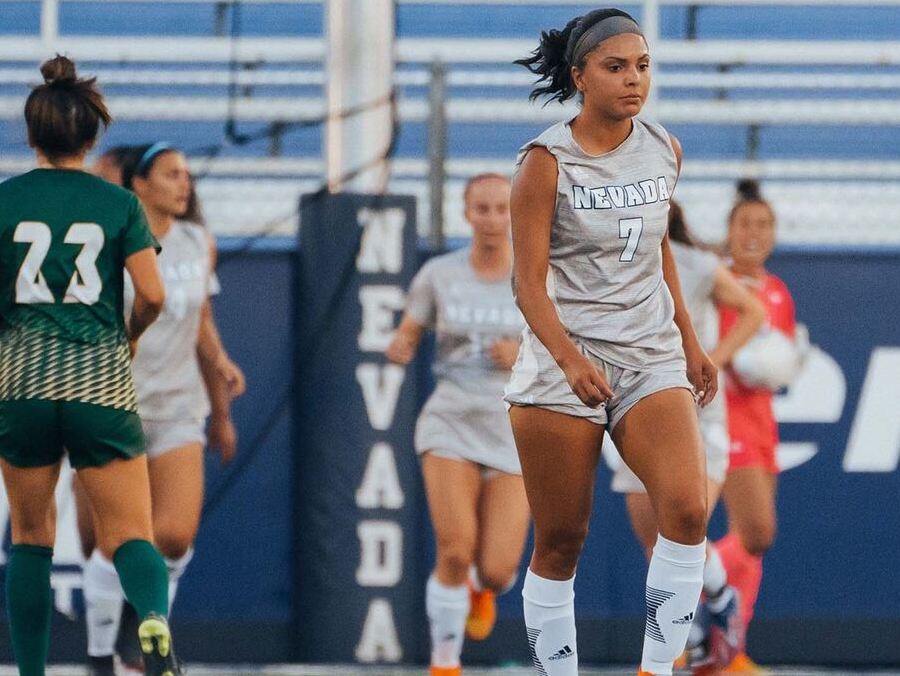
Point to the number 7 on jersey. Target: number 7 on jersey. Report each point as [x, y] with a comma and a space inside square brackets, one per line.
[630, 229]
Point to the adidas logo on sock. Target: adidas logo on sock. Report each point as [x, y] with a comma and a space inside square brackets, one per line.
[687, 619]
[562, 653]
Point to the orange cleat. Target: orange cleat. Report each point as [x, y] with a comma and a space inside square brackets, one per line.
[644, 673]
[482, 614]
[708, 670]
[742, 664]
[681, 662]
[446, 671]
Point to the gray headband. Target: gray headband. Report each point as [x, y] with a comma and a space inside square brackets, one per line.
[600, 31]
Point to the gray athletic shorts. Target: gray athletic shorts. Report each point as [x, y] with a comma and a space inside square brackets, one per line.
[713, 430]
[538, 381]
[463, 425]
[163, 436]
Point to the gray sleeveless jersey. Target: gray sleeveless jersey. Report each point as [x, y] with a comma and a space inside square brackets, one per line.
[697, 274]
[605, 275]
[467, 314]
[166, 372]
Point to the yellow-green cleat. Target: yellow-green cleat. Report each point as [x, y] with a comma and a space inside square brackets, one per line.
[156, 646]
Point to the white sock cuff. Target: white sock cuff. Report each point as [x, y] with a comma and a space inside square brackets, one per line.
[715, 577]
[445, 594]
[102, 563]
[100, 577]
[475, 579]
[678, 554]
[509, 585]
[548, 593]
[177, 566]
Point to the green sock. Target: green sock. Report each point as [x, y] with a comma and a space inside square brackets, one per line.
[144, 577]
[29, 603]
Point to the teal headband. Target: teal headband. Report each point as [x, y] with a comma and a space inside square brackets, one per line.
[149, 155]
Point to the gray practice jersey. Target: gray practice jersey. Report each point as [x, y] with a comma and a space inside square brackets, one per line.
[467, 314]
[605, 275]
[166, 372]
[697, 274]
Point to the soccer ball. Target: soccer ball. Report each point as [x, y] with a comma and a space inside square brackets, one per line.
[771, 359]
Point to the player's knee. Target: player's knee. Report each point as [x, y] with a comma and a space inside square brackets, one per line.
[558, 548]
[496, 578]
[685, 518]
[38, 528]
[174, 543]
[455, 559]
[759, 538]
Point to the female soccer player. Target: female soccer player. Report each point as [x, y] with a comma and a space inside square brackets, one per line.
[750, 488]
[609, 341]
[706, 285]
[472, 475]
[176, 355]
[65, 366]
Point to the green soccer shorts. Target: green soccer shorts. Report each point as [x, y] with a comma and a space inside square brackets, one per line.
[37, 432]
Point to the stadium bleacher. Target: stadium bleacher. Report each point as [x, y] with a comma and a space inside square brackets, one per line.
[802, 95]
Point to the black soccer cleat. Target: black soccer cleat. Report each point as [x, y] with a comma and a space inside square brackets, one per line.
[101, 666]
[157, 648]
[128, 648]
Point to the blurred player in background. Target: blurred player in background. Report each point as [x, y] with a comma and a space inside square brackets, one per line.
[65, 366]
[707, 285]
[472, 476]
[180, 360]
[750, 488]
[108, 165]
[609, 340]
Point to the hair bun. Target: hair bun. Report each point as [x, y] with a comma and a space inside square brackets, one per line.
[748, 189]
[59, 71]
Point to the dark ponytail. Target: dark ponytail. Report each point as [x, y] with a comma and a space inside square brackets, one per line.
[194, 211]
[552, 60]
[65, 113]
[749, 192]
[679, 231]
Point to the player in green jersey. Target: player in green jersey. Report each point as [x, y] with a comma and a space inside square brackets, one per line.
[66, 239]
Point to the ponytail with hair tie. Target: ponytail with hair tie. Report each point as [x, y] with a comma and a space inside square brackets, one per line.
[749, 189]
[749, 192]
[556, 54]
[59, 71]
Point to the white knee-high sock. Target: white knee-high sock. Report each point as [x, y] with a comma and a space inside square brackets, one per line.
[715, 577]
[176, 569]
[447, 609]
[103, 598]
[550, 622]
[674, 582]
